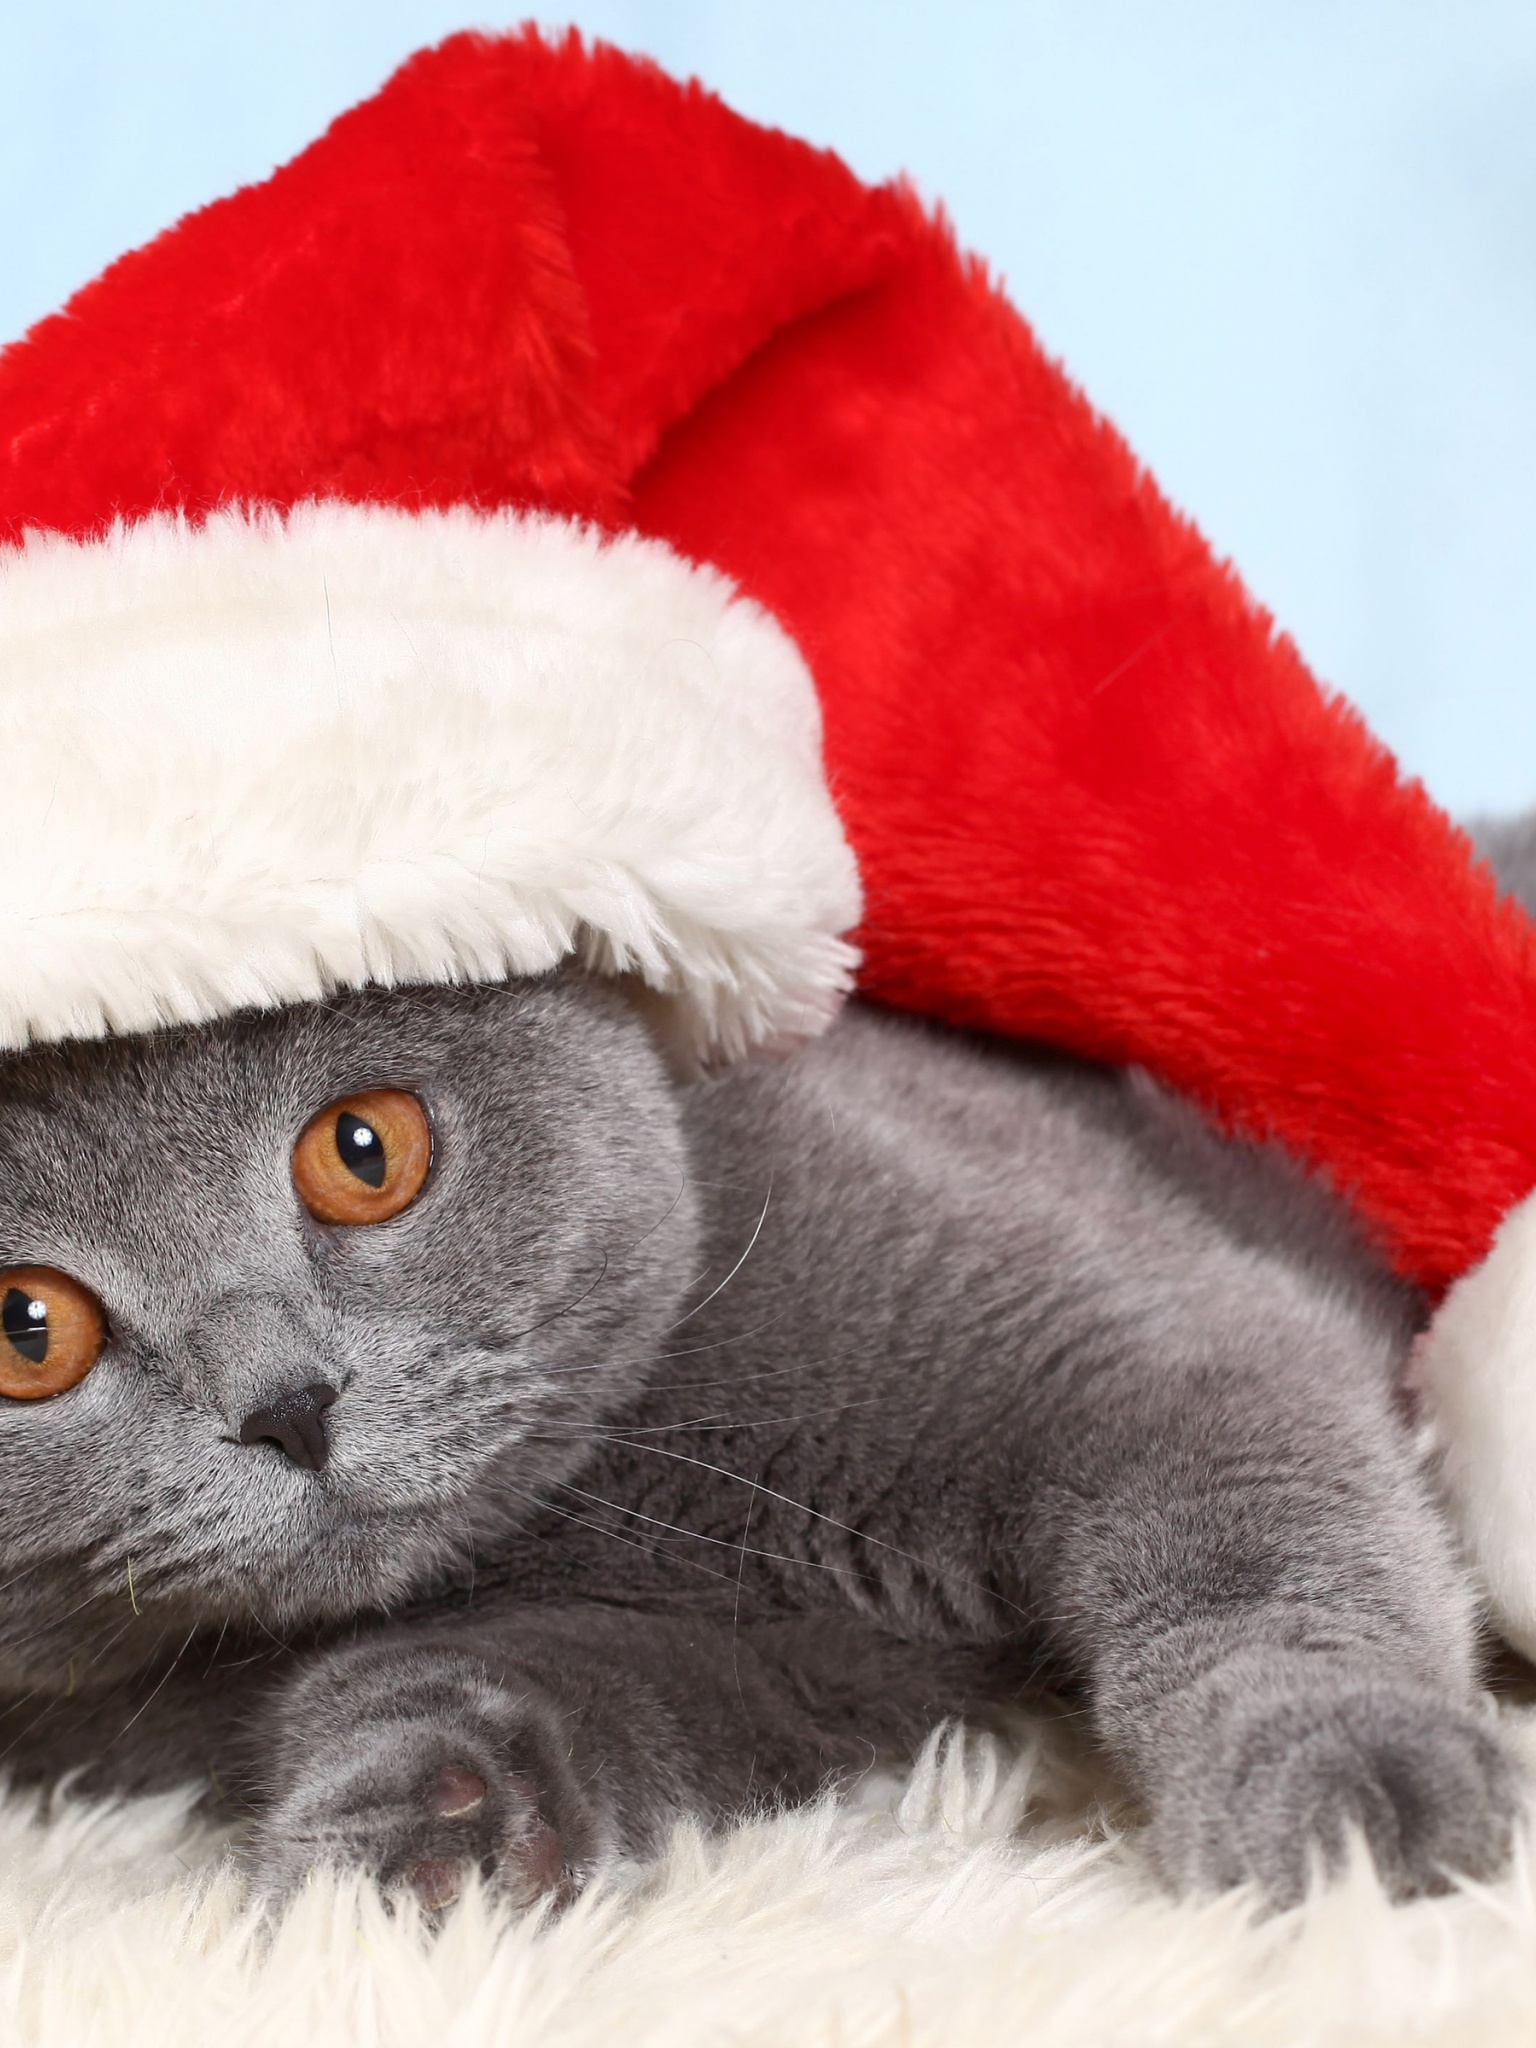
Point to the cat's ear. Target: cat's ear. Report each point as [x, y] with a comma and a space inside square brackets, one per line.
[1509, 847]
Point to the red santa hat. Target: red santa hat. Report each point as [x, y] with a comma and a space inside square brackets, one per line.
[552, 515]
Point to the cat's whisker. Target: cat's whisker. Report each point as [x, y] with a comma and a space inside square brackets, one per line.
[16, 1642]
[543, 1503]
[568, 1308]
[49, 1698]
[735, 1379]
[800, 1368]
[661, 1357]
[257, 1622]
[757, 1231]
[105, 1643]
[699, 1536]
[662, 1220]
[159, 1684]
[704, 1422]
[940, 1573]
[25, 1573]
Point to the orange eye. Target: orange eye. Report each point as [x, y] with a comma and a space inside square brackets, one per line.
[364, 1159]
[53, 1332]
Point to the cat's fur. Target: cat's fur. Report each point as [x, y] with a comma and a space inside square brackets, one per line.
[696, 1442]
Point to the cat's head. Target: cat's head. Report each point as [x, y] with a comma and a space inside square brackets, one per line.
[402, 1385]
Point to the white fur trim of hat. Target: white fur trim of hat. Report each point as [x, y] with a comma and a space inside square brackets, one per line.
[258, 759]
[1474, 1373]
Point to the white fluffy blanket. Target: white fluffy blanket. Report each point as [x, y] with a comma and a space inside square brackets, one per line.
[990, 1900]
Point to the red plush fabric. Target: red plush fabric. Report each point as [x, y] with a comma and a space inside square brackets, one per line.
[1094, 798]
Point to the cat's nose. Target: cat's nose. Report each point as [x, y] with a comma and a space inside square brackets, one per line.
[295, 1423]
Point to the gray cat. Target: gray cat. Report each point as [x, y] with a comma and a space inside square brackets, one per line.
[546, 1447]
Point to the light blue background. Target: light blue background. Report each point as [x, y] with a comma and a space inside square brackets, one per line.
[1289, 244]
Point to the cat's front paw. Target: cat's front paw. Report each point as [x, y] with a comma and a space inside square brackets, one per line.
[420, 1767]
[1280, 1762]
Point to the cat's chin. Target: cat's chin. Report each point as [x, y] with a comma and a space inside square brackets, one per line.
[78, 1634]
[281, 1564]
[348, 1568]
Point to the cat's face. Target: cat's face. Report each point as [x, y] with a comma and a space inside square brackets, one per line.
[467, 1339]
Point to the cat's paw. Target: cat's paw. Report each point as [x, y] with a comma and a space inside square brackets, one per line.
[1279, 1763]
[420, 1767]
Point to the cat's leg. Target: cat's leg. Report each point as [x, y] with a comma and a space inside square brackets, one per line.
[532, 1744]
[1279, 1644]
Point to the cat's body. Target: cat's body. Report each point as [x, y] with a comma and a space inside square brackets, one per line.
[693, 1443]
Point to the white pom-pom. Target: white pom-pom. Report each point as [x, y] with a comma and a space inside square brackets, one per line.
[1475, 1373]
